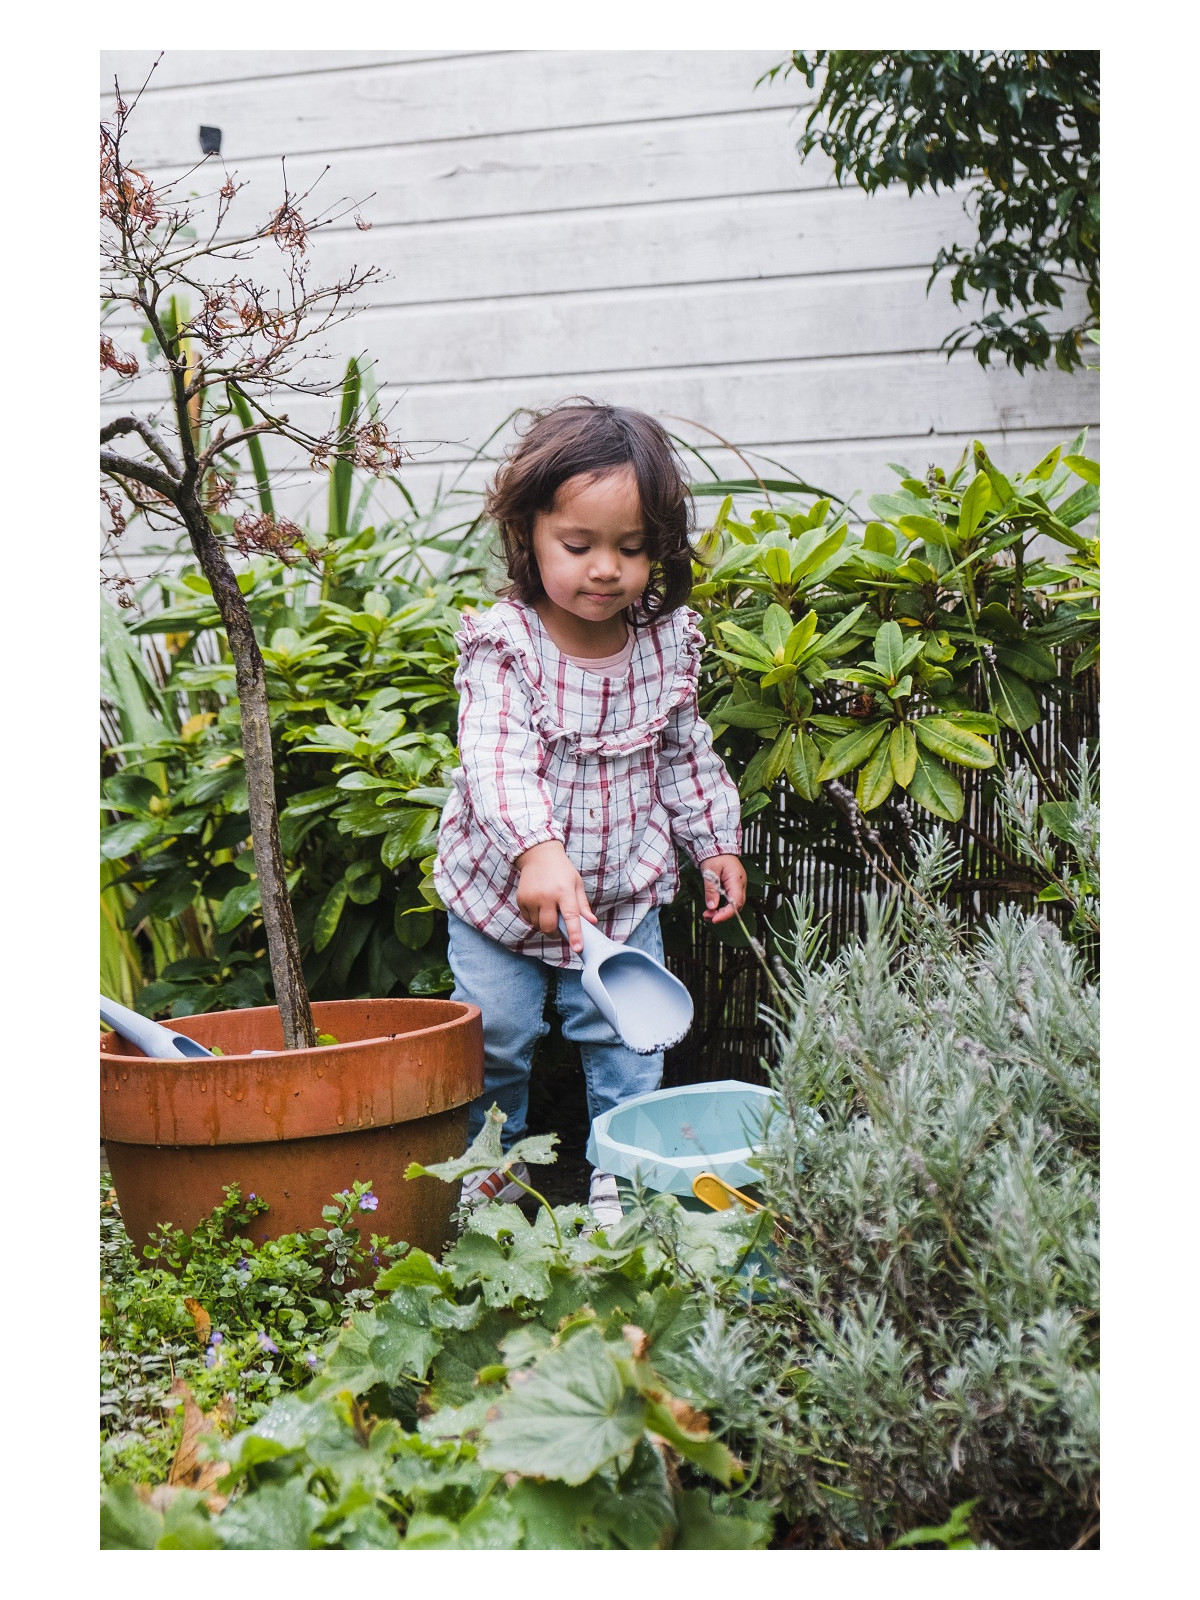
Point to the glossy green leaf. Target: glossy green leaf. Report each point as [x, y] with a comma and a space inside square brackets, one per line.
[876, 780]
[933, 786]
[1083, 467]
[800, 637]
[1016, 704]
[1028, 659]
[836, 639]
[953, 742]
[889, 650]
[237, 905]
[754, 777]
[748, 714]
[125, 837]
[747, 643]
[902, 752]
[851, 751]
[929, 530]
[777, 756]
[1045, 467]
[975, 503]
[330, 914]
[810, 564]
[877, 536]
[776, 625]
[774, 562]
[803, 765]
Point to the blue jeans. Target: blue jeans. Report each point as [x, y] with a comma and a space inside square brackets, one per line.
[510, 991]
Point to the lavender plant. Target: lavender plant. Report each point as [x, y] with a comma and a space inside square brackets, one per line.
[936, 1307]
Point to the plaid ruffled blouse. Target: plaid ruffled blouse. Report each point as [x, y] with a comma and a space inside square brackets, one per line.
[618, 769]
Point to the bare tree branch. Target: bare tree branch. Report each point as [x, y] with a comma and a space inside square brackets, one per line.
[138, 425]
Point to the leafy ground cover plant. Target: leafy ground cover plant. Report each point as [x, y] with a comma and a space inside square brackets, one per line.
[236, 1320]
[528, 1391]
[936, 1302]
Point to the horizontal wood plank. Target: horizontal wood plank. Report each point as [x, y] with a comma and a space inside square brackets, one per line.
[413, 102]
[729, 240]
[777, 403]
[644, 163]
[187, 68]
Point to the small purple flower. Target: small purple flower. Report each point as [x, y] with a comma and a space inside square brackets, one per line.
[253, 1196]
[216, 1337]
[210, 1358]
[268, 1344]
[368, 1202]
[311, 1359]
[244, 1264]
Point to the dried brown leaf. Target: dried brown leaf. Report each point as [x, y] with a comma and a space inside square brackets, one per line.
[200, 1317]
[191, 1470]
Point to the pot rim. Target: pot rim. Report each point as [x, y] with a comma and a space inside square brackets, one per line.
[466, 1011]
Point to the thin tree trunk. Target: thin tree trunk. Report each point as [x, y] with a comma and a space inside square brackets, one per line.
[283, 946]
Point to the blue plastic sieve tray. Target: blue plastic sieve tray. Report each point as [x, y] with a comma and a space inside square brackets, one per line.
[665, 1138]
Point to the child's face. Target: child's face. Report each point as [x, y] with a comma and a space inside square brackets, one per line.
[590, 547]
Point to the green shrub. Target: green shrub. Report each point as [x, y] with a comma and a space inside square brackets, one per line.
[936, 1306]
[360, 679]
[901, 650]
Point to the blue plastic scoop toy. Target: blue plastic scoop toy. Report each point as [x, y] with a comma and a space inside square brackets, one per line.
[645, 1004]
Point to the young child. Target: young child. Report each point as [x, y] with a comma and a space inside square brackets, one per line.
[584, 756]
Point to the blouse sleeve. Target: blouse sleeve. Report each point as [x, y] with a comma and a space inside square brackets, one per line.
[693, 784]
[499, 748]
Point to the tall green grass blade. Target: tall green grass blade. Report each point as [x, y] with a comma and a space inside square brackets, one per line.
[341, 474]
[258, 461]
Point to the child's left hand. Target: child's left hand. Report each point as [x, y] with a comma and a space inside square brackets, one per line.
[723, 873]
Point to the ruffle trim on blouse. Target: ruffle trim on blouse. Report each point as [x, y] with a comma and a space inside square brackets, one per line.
[505, 629]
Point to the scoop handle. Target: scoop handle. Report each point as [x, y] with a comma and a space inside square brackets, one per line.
[596, 945]
[150, 1037]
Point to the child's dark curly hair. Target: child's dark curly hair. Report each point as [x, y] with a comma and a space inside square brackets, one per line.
[582, 438]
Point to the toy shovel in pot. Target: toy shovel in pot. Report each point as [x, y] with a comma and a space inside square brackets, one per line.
[646, 1004]
[150, 1037]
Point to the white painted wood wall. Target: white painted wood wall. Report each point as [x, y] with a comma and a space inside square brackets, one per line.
[631, 225]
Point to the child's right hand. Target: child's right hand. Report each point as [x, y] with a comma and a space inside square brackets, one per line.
[550, 886]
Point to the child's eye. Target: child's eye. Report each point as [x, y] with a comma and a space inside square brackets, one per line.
[640, 551]
[576, 549]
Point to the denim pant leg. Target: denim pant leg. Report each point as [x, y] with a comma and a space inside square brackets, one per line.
[611, 1070]
[510, 991]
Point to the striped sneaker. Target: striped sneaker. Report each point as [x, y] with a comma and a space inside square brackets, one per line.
[604, 1201]
[481, 1187]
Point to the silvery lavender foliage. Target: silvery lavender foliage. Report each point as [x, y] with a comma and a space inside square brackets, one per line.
[937, 1297]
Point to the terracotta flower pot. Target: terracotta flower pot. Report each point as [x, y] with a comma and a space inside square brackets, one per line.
[295, 1126]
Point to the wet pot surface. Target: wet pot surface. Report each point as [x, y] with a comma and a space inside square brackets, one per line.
[296, 1126]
